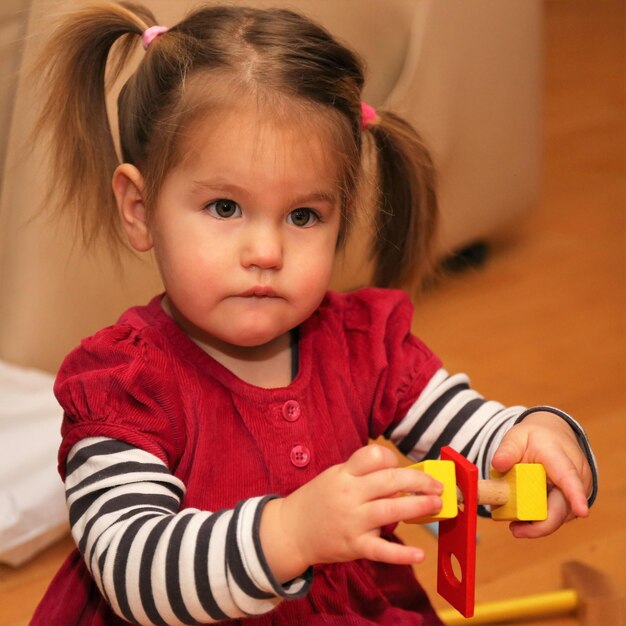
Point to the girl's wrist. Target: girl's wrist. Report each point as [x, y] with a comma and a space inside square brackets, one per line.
[280, 546]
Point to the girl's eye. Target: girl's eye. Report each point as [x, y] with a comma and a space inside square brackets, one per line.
[303, 217]
[224, 209]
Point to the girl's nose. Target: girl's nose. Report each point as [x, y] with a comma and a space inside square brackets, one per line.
[262, 249]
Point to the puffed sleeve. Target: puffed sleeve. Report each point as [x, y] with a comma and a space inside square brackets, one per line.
[389, 365]
[119, 384]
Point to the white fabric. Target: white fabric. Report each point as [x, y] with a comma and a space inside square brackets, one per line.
[32, 502]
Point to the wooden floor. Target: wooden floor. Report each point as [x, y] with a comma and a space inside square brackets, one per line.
[542, 322]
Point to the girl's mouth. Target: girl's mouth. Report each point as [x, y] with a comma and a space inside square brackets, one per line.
[259, 291]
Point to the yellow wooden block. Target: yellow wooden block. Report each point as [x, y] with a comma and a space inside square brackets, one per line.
[444, 472]
[528, 494]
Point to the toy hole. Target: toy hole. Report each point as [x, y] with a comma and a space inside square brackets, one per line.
[455, 566]
[451, 570]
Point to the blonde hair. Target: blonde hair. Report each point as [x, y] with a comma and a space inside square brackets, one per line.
[276, 54]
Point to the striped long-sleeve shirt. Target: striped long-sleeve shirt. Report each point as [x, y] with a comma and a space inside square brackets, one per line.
[158, 564]
[169, 459]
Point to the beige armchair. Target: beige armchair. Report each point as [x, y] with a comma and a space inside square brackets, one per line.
[466, 74]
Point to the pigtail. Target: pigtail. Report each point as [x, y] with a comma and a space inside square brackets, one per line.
[72, 70]
[407, 204]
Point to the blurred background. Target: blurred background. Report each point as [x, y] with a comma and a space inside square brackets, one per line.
[523, 104]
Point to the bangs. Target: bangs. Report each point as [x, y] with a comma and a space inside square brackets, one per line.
[211, 98]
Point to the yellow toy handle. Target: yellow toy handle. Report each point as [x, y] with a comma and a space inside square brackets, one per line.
[540, 605]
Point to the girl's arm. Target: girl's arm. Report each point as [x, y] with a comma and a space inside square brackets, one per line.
[551, 437]
[155, 563]
[338, 516]
[449, 412]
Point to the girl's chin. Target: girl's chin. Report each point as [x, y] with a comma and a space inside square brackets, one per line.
[256, 332]
[247, 338]
[255, 339]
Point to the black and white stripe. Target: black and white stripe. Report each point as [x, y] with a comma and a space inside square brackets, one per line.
[154, 563]
[449, 412]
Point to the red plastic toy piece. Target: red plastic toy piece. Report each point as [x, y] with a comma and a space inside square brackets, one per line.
[457, 539]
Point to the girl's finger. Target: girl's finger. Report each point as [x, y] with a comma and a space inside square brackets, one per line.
[398, 480]
[388, 511]
[378, 549]
[509, 452]
[370, 459]
[559, 512]
[566, 478]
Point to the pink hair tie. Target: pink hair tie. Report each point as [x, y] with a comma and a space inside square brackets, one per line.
[152, 33]
[368, 115]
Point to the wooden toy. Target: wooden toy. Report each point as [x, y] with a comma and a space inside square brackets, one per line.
[457, 539]
[444, 472]
[589, 594]
[520, 494]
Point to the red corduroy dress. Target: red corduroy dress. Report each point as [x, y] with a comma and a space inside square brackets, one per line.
[144, 381]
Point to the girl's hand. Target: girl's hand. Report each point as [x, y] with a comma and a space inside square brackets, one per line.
[338, 515]
[545, 438]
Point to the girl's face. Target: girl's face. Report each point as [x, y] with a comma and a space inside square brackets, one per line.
[245, 229]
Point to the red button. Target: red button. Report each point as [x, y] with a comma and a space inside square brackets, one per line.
[291, 411]
[300, 456]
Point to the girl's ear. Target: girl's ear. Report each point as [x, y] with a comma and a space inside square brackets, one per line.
[128, 186]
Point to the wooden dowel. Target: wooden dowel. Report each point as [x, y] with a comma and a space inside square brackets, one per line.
[540, 605]
[490, 492]
[493, 492]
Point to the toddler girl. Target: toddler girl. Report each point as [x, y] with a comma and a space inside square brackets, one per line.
[215, 441]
